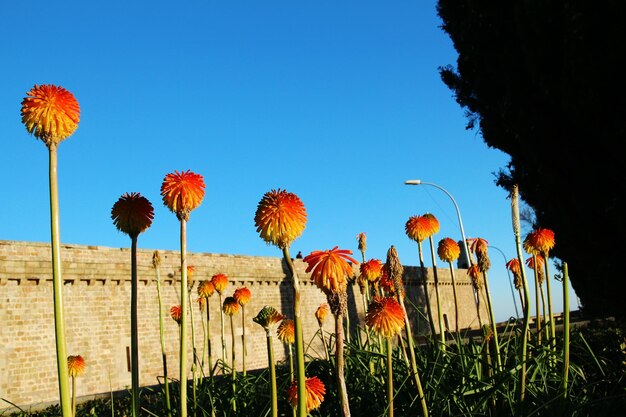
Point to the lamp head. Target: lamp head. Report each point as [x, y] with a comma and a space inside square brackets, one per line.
[413, 182]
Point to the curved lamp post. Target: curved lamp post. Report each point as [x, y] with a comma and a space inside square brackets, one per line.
[510, 281]
[458, 213]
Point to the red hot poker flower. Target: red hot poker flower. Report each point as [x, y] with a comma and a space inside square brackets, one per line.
[385, 316]
[448, 250]
[182, 192]
[315, 391]
[539, 242]
[176, 313]
[418, 228]
[132, 214]
[75, 365]
[220, 282]
[242, 295]
[330, 269]
[231, 306]
[280, 218]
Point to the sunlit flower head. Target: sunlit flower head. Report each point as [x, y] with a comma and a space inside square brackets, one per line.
[477, 245]
[418, 228]
[385, 316]
[539, 242]
[448, 250]
[231, 306]
[220, 282]
[386, 282]
[75, 365]
[513, 265]
[286, 332]
[530, 262]
[268, 318]
[242, 295]
[176, 312]
[321, 313]
[206, 289]
[362, 239]
[182, 192]
[132, 214]
[280, 218]
[475, 274]
[50, 113]
[330, 269]
[315, 391]
[371, 270]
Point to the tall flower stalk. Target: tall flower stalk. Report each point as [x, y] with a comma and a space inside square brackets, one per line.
[230, 307]
[51, 114]
[320, 314]
[514, 266]
[132, 214]
[330, 270]
[75, 367]
[156, 263]
[220, 282]
[565, 330]
[449, 251]
[242, 295]
[286, 333]
[268, 318]
[205, 291]
[280, 218]
[183, 192]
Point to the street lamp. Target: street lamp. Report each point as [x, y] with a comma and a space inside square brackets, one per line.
[458, 213]
[510, 281]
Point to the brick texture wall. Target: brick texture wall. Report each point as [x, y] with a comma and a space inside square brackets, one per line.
[97, 313]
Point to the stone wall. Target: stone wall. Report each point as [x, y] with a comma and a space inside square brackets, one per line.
[97, 313]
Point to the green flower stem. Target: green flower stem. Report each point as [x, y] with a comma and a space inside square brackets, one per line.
[538, 318]
[433, 331]
[57, 281]
[341, 380]
[232, 357]
[134, 338]
[493, 323]
[168, 406]
[456, 304]
[565, 329]
[324, 343]
[442, 334]
[389, 379]
[550, 315]
[208, 337]
[73, 396]
[243, 339]
[183, 321]
[222, 329]
[300, 371]
[194, 361]
[272, 367]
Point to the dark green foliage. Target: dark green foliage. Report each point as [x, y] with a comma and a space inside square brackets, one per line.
[543, 81]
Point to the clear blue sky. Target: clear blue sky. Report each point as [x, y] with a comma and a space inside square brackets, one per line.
[337, 102]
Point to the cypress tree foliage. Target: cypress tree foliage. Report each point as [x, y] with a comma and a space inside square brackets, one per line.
[542, 81]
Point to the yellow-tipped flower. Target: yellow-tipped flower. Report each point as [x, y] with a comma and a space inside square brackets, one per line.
[75, 365]
[182, 192]
[286, 332]
[280, 218]
[371, 270]
[385, 316]
[539, 242]
[321, 313]
[268, 318]
[132, 214]
[220, 282]
[448, 250]
[242, 295]
[231, 306]
[50, 113]
[206, 289]
[418, 228]
[315, 391]
[330, 269]
[176, 312]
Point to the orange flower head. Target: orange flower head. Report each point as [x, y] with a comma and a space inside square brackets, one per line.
[182, 192]
[448, 250]
[268, 318]
[315, 391]
[75, 365]
[50, 113]
[362, 239]
[321, 313]
[231, 306]
[474, 273]
[478, 245]
[242, 295]
[539, 241]
[530, 262]
[206, 289]
[514, 266]
[286, 332]
[386, 282]
[132, 214]
[280, 218]
[330, 269]
[418, 228]
[371, 270]
[385, 316]
[220, 282]
[176, 312]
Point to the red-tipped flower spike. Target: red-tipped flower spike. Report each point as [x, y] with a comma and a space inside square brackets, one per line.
[206, 289]
[531, 262]
[280, 218]
[371, 270]
[75, 365]
[286, 332]
[242, 295]
[385, 316]
[330, 269]
[315, 391]
[321, 313]
[514, 266]
[539, 242]
[50, 113]
[418, 228]
[478, 245]
[132, 214]
[231, 306]
[176, 313]
[182, 192]
[220, 282]
[448, 250]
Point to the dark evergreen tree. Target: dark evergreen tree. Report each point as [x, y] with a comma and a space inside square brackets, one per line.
[543, 81]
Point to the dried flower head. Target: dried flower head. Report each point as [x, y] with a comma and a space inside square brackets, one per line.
[132, 214]
[201, 303]
[242, 295]
[286, 332]
[385, 316]
[176, 312]
[50, 113]
[156, 259]
[448, 250]
[395, 270]
[206, 289]
[220, 282]
[231, 306]
[513, 265]
[475, 274]
[330, 269]
[280, 218]
[182, 192]
[321, 313]
[371, 270]
[268, 318]
[418, 228]
[75, 365]
[362, 239]
[539, 242]
[315, 391]
[386, 282]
